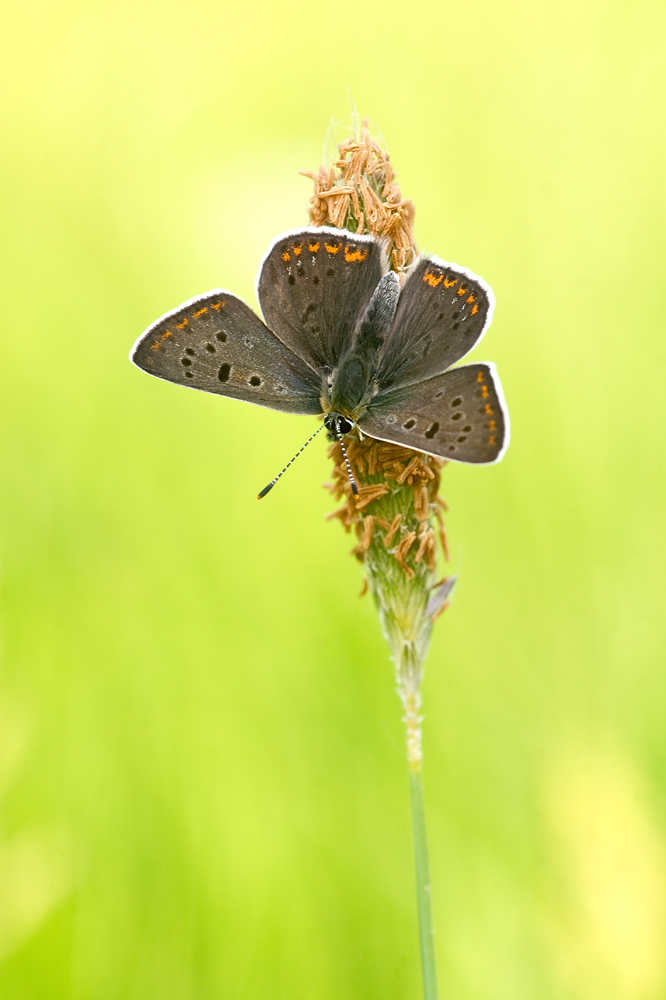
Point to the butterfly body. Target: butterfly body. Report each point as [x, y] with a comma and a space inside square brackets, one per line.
[344, 340]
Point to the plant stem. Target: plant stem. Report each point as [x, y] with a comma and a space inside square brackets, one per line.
[423, 898]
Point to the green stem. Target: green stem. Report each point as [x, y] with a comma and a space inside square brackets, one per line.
[423, 885]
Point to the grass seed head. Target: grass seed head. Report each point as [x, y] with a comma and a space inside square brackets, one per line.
[396, 518]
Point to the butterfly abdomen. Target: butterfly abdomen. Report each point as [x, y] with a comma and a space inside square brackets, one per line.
[353, 383]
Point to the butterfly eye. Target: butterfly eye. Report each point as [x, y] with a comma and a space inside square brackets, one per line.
[344, 425]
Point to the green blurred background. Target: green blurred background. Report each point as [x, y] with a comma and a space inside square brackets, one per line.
[202, 773]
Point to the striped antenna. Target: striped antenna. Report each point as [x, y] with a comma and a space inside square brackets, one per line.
[347, 462]
[270, 486]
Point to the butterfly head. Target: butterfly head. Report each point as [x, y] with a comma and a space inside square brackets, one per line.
[336, 424]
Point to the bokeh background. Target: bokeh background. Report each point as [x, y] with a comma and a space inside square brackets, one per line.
[202, 773]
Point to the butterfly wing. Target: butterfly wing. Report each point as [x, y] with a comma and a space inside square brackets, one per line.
[443, 311]
[460, 415]
[313, 286]
[217, 344]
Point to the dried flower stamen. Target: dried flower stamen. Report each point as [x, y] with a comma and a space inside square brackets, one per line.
[359, 193]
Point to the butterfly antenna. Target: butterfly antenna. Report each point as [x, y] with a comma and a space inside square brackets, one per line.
[270, 486]
[347, 462]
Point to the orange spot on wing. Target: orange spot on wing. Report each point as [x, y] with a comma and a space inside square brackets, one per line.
[492, 426]
[333, 247]
[462, 291]
[479, 377]
[217, 306]
[354, 253]
[489, 409]
[181, 326]
[313, 247]
[475, 310]
[297, 248]
[450, 282]
[471, 298]
[285, 256]
[491, 440]
[484, 391]
[202, 312]
[432, 278]
[155, 346]
[167, 333]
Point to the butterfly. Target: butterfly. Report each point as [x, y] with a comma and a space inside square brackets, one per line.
[343, 339]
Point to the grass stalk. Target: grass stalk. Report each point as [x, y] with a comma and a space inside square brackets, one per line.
[411, 700]
[396, 513]
[423, 899]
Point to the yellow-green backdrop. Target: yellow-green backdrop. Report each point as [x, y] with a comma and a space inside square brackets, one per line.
[201, 765]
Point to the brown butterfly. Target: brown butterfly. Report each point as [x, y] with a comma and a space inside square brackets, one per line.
[344, 340]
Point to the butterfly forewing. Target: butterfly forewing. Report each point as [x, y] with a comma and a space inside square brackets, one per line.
[442, 313]
[459, 415]
[314, 284]
[217, 344]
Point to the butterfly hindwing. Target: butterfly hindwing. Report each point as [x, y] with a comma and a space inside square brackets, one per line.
[459, 415]
[314, 284]
[218, 344]
[442, 313]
